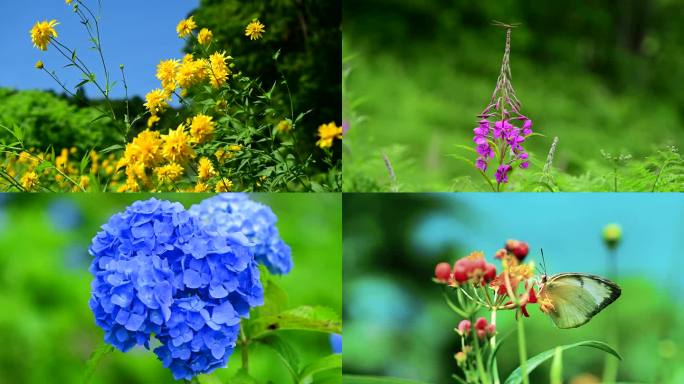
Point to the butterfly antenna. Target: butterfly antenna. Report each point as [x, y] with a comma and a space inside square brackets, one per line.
[543, 260]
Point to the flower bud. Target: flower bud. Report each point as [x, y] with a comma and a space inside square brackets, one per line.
[500, 254]
[443, 272]
[489, 272]
[481, 324]
[481, 333]
[464, 327]
[612, 234]
[460, 357]
[521, 250]
[460, 273]
[491, 329]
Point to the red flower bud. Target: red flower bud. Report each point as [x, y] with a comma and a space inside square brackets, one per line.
[489, 272]
[511, 245]
[500, 254]
[521, 250]
[460, 273]
[491, 329]
[464, 327]
[481, 333]
[481, 324]
[443, 271]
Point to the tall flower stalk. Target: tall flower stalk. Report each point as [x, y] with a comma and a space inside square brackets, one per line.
[502, 128]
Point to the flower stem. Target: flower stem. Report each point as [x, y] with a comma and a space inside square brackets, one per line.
[522, 351]
[492, 341]
[478, 354]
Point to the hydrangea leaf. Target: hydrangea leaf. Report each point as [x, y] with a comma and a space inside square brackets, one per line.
[330, 362]
[516, 376]
[286, 353]
[304, 318]
[275, 298]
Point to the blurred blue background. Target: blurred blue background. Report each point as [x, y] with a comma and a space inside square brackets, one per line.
[153, 37]
[393, 242]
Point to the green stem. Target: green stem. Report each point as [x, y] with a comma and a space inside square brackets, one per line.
[522, 351]
[478, 353]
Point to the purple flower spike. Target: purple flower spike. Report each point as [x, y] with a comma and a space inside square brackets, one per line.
[502, 173]
[527, 127]
[481, 163]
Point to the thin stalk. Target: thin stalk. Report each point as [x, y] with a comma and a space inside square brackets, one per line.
[478, 354]
[492, 343]
[522, 351]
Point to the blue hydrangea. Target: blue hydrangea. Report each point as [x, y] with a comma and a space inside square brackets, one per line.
[159, 271]
[235, 211]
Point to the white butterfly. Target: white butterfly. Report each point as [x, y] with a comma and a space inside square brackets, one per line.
[572, 299]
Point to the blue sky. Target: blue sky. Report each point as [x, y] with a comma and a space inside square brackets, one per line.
[568, 227]
[134, 33]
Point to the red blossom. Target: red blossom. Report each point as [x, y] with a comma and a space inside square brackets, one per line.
[443, 272]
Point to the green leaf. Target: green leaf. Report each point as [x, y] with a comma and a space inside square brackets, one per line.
[286, 353]
[42, 166]
[516, 376]
[112, 148]
[91, 365]
[84, 162]
[276, 55]
[304, 318]
[557, 367]
[350, 379]
[326, 363]
[82, 83]
[275, 299]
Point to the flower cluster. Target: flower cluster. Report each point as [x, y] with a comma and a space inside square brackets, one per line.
[470, 269]
[158, 270]
[502, 129]
[483, 332]
[236, 212]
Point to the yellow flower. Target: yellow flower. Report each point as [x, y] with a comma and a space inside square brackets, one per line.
[68, 2]
[169, 173]
[284, 126]
[205, 170]
[235, 147]
[166, 73]
[144, 150]
[39, 65]
[201, 187]
[224, 185]
[191, 71]
[30, 181]
[222, 155]
[154, 119]
[83, 182]
[131, 185]
[255, 29]
[327, 133]
[42, 33]
[205, 36]
[201, 128]
[219, 69]
[62, 160]
[73, 150]
[156, 101]
[185, 27]
[176, 146]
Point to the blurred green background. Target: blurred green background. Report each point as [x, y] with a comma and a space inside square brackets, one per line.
[47, 331]
[392, 243]
[600, 75]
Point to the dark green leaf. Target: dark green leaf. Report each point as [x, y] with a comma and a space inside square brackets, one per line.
[516, 376]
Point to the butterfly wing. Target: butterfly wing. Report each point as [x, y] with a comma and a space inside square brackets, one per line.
[572, 299]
